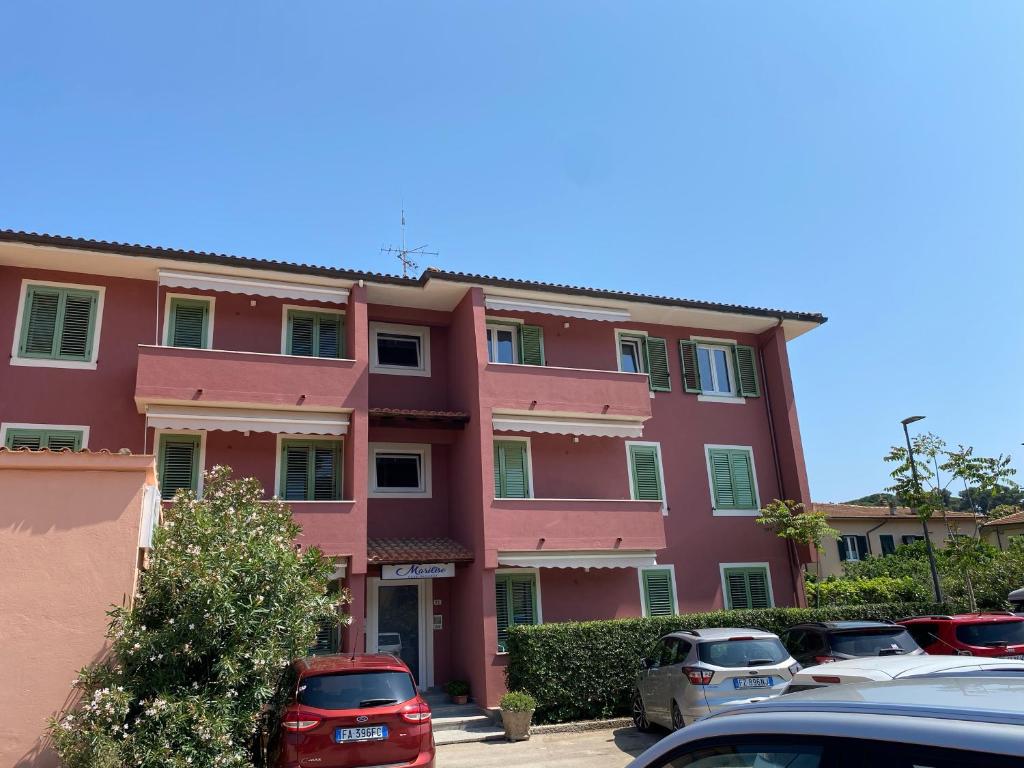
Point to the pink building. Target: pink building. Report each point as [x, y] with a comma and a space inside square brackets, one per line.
[474, 452]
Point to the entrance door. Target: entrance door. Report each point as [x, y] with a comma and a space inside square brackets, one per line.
[398, 624]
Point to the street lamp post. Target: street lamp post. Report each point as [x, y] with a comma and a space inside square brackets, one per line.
[924, 521]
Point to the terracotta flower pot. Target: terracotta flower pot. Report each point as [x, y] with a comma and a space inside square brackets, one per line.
[517, 725]
[463, 699]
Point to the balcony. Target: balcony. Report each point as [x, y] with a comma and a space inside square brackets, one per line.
[256, 380]
[337, 528]
[575, 524]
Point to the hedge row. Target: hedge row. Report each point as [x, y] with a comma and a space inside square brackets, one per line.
[867, 591]
[586, 670]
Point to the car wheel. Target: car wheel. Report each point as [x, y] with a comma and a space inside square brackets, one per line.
[677, 717]
[640, 720]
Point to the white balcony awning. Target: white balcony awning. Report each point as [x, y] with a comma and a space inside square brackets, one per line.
[583, 311]
[252, 286]
[557, 425]
[579, 559]
[246, 420]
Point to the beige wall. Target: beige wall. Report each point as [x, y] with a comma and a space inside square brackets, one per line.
[895, 527]
[69, 533]
[1000, 535]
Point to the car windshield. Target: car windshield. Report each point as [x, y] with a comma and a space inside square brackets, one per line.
[744, 652]
[992, 633]
[873, 642]
[356, 690]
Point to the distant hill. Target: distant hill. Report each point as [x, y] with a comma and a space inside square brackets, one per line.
[872, 500]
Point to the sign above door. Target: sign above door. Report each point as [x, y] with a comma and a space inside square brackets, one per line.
[418, 571]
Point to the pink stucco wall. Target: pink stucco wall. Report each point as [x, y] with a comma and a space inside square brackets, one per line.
[69, 531]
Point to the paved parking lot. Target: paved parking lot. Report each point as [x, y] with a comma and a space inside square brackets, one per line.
[608, 749]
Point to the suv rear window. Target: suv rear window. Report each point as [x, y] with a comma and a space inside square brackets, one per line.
[743, 653]
[356, 690]
[993, 634]
[872, 642]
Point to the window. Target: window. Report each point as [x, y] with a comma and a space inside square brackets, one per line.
[310, 470]
[399, 349]
[747, 585]
[178, 463]
[58, 325]
[719, 370]
[747, 755]
[646, 478]
[912, 538]
[639, 353]
[399, 469]
[516, 602]
[733, 483]
[37, 438]
[853, 548]
[888, 543]
[502, 344]
[314, 334]
[658, 591]
[356, 690]
[512, 469]
[188, 322]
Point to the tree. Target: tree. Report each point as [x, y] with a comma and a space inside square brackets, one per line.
[789, 521]
[227, 602]
[872, 500]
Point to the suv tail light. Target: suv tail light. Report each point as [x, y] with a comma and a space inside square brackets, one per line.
[824, 659]
[415, 712]
[698, 676]
[299, 721]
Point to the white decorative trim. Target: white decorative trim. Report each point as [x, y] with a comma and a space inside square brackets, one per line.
[6, 426]
[38, 362]
[150, 518]
[595, 427]
[675, 592]
[514, 327]
[211, 300]
[529, 464]
[713, 373]
[180, 417]
[661, 474]
[204, 281]
[725, 587]
[730, 399]
[302, 308]
[536, 577]
[712, 340]
[756, 512]
[584, 312]
[586, 559]
[419, 449]
[158, 432]
[422, 332]
[277, 467]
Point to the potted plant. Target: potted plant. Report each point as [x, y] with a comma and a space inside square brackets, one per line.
[516, 713]
[458, 690]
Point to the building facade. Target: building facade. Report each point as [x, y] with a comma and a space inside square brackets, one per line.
[474, 452]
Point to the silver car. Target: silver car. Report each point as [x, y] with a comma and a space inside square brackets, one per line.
[692, 673]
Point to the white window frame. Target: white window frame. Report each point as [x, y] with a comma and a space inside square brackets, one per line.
[422, 450]
[756, 512]
[730, 367]
[36, 362]
[422, 332]
[202, 452]
[675, 592]
[504, 325]
[6, 426]
[619, 333]
[852, 553]
[540, 607]
[285, 308]
[277, 466]
[165, 335]
[661, 472]
[722, 567]
[529, 466]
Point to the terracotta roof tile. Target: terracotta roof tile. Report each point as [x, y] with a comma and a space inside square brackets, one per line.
[437, 550]
[855, 511]
[1017, 518]
[412, 413]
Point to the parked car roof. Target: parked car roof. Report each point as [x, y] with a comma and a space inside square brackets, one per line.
[841, 625]
[892, 667]
[1017, 594]
[966, 618]
[721, 633]
[346, 662]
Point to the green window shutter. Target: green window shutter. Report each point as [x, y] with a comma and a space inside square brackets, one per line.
[841, 543]
[329, 341]
[310, 470]
[646, 479]
[515, 597]
[747, 384]
[657, 364]
[757, 584]
[721, 479]
[659, 595]
[58, 323]
[295, 468]
[326, 637]
[178, 464]
[511, 474]
[189, 323]
[59, 439]
[39, 325]
[301, 332]
[531, 345]
[732, 478]
[742, 480]
[76, 325]
[501, 610]
[37, 439]
[688, 364]
[747, 588]
[325, 469]
[314, 334]
[888, 543]
[25, 438]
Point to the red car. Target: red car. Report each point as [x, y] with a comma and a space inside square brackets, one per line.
[996, 635]
[350, 710]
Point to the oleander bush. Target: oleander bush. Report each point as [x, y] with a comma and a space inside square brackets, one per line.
[586, 670]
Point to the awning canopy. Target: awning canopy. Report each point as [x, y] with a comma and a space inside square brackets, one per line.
[203, 281]
[579, 559]
[569, 425]
[246, 420]
[583, 311]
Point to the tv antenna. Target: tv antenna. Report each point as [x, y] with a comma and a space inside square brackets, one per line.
[405, 255]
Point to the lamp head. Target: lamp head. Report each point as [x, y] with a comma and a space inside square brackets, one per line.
[911, 420]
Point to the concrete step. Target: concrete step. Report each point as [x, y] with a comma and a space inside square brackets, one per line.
[461, 722]
[468, 735]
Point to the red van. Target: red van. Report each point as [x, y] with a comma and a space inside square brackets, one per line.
[344, 710]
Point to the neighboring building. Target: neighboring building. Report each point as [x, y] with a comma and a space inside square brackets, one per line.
[474, 452]
[73, 531]
[999, 533]
[871, 531]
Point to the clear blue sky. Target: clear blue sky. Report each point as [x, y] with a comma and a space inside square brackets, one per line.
[862, 159]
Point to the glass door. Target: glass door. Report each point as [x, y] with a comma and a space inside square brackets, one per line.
[398, 623]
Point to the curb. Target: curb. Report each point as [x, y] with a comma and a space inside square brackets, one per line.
[581, 726]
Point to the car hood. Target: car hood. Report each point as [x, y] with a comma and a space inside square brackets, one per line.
[893, 667]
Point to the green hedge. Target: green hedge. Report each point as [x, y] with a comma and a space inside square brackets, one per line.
[586, 670]
[871, 591]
